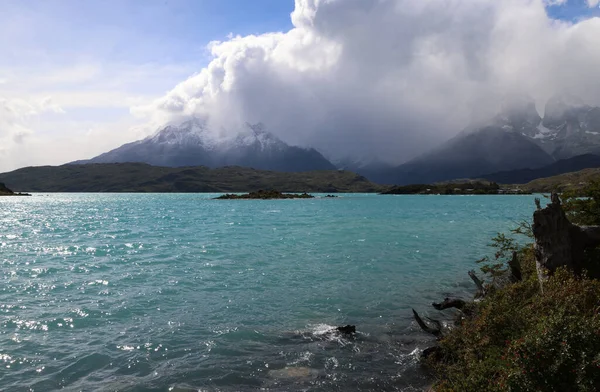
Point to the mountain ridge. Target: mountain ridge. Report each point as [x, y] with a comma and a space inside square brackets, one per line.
[141, 177]
[192, 143]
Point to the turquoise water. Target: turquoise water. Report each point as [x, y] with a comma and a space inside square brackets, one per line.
[155, 292]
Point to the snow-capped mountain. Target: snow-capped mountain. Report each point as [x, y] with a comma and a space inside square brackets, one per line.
[569, 127]
[516, 138]
[193, 143]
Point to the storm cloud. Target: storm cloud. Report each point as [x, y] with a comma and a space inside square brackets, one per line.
[388, 78]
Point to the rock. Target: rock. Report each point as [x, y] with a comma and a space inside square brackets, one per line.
[293, 372]
[347, 330]
[558, 242]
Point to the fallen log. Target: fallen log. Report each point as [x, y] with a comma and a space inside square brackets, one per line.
[448, 303]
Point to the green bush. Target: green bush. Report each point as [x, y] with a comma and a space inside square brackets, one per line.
[583, 207]
[520, 339]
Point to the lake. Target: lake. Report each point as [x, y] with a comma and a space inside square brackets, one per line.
[158, 292]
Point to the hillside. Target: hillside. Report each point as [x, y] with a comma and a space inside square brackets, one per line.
[4, 191]
[574, 180]
[472, 154]
[523, 176]
[140, 177]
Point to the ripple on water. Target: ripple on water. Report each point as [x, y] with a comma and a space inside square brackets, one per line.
[153, 292]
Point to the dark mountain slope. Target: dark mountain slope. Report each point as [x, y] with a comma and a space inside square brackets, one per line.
[471, 154]
[139, 177]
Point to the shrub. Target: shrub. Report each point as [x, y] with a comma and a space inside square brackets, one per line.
[583, 207]
[518, 339]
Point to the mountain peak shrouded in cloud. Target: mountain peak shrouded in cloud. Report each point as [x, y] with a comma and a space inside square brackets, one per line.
[560, 105]
[352, 78]
[391, 78]
[194, 143]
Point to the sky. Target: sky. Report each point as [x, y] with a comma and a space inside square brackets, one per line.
[353, 78]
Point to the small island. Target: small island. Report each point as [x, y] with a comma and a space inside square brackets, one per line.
[265, 195]
[4, 191]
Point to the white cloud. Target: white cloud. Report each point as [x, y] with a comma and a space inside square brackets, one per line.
[18, 117]
[46, 112]
[593, 3]
[77, 140]
[389, 77]
[555, 2]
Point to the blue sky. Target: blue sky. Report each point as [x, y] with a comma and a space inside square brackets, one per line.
[131, 30]
[71, 70]
[96, 59]
[573, 10]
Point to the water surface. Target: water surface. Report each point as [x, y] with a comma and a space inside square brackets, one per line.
[157, 292]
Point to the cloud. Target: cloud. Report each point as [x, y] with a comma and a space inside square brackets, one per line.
[389, 78]
[47, 111]
[17, 116]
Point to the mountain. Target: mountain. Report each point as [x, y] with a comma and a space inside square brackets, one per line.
[473, 153]
[569, 128]
[141, 177]
[523, 176]
[515, 139]
[192, 143]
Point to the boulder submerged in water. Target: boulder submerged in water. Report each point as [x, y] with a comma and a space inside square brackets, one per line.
[265, 195]
[293, 372]
[347, 329]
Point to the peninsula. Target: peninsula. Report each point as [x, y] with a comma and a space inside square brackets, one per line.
[4, 191]
[459, 187]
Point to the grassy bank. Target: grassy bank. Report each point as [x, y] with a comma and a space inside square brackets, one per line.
[520, 337]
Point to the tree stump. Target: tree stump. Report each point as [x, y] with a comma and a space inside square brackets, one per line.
[558, 242]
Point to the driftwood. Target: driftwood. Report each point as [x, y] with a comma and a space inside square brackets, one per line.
[448, 303]
[558, 242]
[437, 332]
[481, 289]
